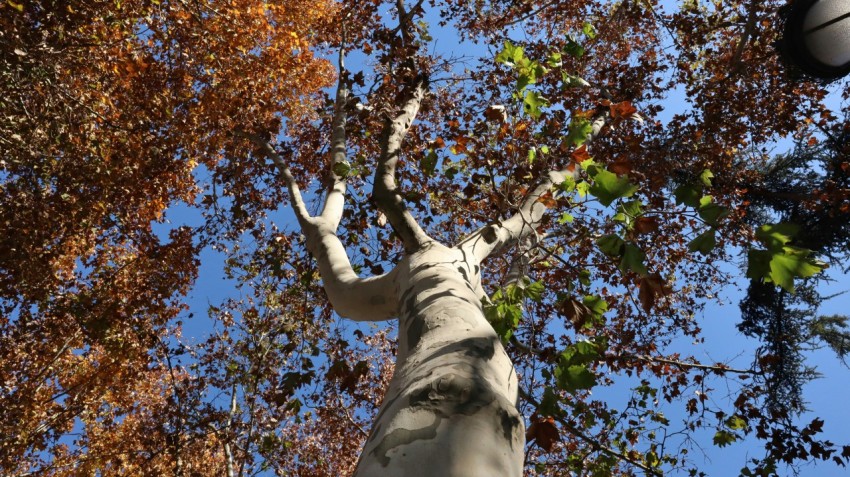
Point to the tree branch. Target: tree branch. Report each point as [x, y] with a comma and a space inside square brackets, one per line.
[386, 192]
[493, 238]
[298, 206]
[361, 299]
[594, 444]
[335, 200]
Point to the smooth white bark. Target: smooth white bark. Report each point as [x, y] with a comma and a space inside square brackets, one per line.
[450, 409]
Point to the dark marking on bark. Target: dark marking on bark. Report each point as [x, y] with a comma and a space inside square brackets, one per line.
[510, 424]
[489, 234]
[481, 347]
[463, 273]
[453, 394]
[414, 332]
[400, 437]
[384, 407]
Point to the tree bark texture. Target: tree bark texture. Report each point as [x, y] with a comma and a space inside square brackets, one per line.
[450, 409]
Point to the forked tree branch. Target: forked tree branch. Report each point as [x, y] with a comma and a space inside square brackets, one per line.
[386, 192]
[361, 299]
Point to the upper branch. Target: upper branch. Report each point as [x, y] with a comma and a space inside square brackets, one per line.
[335, 200]
[492, 238]
[386, 192]
[362, 299]
[298, 206]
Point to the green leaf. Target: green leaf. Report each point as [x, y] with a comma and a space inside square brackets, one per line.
[583, 352]
[534, 291]
[736, 423]
[341, 169]
[589, 30]
[572, 81]
[549, 403]
[568, 185]
[793, 263]
[584, 278]
[532, 155]
[582, 188]
[573, 48]
[574, 378]
[705, 177]
[608, 187]
[532, 103]
[510, 54]
[633, 258]
[566, 219]
[611, 245]
[428, 162]
[591, 167]
[724, 438]
[513, 293]
[652, 459]
[688, 194]
[777, 235]
[503, 316]
[596, 304]
[632, 208]
[781, 266]
[578, 131]
[704, 243]
[758, 264]
[710, 212]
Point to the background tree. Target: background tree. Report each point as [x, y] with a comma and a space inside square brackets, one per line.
[601, 205]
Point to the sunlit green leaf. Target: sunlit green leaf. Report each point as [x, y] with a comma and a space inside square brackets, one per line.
[578, 131]
[608, 187]
[532, 103]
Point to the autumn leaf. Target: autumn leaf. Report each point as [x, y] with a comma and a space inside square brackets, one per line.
[544, 433]
[652, 287]
[621, 110]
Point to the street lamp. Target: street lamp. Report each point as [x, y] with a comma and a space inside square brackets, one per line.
[816, 39]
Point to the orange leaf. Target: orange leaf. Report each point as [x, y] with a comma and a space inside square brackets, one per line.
[621, 167]
[622, 110]
[547, 200]
[544, 432]
[580, 154]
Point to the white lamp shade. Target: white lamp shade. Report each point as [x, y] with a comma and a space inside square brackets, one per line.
[826, 30]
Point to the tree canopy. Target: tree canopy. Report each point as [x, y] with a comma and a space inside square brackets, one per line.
[663, 149]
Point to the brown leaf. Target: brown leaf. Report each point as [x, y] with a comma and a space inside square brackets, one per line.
[580, 154]
[547, 200]
[496, 113]
[651, 287]
[645, 225]
[621, 167]
[576, 311]
[623, 109]
[544, 432]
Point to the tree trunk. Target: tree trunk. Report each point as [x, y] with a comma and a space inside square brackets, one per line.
[450, 409]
